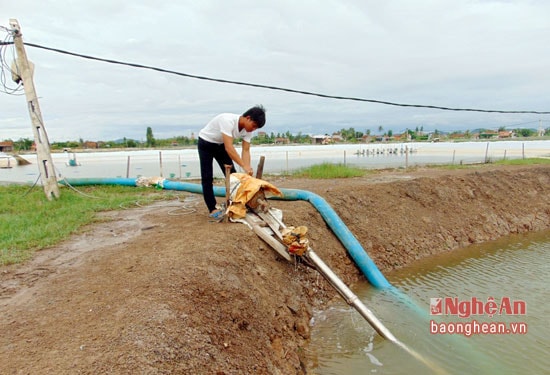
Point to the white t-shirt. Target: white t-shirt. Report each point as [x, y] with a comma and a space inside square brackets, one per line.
[225, 123]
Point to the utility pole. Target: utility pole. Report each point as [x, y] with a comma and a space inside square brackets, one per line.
[44, 157]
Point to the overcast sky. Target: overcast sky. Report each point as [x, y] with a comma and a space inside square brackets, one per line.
[480, 54]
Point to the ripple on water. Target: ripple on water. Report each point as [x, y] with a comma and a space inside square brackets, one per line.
[517, 268]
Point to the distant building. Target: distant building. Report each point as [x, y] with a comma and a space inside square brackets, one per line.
[488, 134]
[400, 137]
[89, 144]
[282, 141]
[457, 136]
[505, 134]
[367, 138]
[320, 139]
[6, 146]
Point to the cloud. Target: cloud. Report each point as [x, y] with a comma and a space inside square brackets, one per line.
[479, 54]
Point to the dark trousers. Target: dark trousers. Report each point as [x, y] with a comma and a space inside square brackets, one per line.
[208, 152]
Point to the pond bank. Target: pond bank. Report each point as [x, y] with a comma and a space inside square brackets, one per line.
[161, 293]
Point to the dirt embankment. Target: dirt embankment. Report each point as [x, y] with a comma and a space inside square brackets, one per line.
[155, 292]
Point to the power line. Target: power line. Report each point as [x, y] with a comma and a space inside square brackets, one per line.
[6, 73]
[280, 88]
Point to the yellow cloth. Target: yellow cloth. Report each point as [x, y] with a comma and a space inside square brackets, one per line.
[243, 189]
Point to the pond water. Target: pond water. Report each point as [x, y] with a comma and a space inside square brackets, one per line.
[184, 163]
[515, 269]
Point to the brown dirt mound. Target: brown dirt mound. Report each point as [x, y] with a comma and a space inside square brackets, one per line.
[153, 292]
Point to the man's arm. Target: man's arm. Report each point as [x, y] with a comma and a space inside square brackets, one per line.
[245, 154]
[243, 161]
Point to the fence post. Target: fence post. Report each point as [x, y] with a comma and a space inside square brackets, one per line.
[287, 162]
[160, 163]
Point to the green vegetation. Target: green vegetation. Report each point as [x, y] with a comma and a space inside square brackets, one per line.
[29, 222]
[151, 141]
[528, 161]
[349, 135]
[329, 170]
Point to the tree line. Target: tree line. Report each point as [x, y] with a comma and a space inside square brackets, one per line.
[349, 135]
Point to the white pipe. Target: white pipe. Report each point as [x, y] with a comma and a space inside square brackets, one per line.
[348, 295]
[354, 301]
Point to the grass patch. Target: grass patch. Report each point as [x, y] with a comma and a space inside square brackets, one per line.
[450, 166]
[29, 222]
[329, 170]
[527, 161]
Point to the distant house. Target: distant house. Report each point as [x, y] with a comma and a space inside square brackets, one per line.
[505, 134]
[320, 139]
[282, 141]
[337, 137]
[400, 137]
[488, 134]
[457, 136]
[6, 146]
[367, 138]
[89, 144]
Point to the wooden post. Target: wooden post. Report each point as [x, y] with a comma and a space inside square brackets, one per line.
[227, 190]
[128, 167]
[45, 162]
[260, 170]
[287, 162]
[160, 162]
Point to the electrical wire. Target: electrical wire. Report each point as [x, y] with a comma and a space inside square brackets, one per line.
[5, 67]
[33, 185]
[110, 61]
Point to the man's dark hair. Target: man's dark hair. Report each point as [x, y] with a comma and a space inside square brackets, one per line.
[257, 114]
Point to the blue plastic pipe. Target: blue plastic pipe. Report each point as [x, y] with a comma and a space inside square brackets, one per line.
[352, 245]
